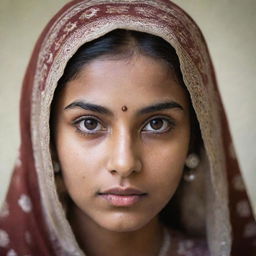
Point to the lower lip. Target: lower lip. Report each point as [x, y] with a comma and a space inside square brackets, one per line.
[122, 200]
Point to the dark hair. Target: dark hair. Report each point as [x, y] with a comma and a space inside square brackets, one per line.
[119, 44]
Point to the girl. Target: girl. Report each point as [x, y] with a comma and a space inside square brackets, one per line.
[125, 146]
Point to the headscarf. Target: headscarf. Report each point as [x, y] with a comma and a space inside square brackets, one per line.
[32, 218]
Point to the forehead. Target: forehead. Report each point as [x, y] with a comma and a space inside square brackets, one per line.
[136, 80]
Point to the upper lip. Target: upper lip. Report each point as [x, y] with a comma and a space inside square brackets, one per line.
[128, 191]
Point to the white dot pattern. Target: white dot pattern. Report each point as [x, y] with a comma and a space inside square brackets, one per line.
[28, 237]
[243, 209]
[25, 203]
[238, 183]
[4, 238]
[11, 253]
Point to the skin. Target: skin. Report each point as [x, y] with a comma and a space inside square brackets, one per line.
[123, 149]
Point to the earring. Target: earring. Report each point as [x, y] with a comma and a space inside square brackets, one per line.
[191, 162]
[56, 167]
[189, 176]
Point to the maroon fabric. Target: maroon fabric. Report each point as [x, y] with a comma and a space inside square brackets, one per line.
[25, 232]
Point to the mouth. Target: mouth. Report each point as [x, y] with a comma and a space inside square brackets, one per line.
[122, 197]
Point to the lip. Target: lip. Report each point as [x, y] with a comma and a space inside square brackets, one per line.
[122, 196]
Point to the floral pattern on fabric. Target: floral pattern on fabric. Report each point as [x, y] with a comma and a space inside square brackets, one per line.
[88, 14]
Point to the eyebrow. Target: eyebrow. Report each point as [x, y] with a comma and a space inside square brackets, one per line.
[159, 107]
[89, 106]
[103, 110]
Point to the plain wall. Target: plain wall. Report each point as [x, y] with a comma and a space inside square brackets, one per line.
[229, 28]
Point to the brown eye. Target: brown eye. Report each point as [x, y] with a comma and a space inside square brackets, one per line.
[89, 125]
[158, 125]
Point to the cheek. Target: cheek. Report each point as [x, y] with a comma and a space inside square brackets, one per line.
[166, 172]
[78, 164]
[166, 162]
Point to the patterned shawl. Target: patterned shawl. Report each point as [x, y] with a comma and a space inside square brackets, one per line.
[32, 219]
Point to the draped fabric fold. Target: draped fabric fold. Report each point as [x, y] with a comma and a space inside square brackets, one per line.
[32, 218]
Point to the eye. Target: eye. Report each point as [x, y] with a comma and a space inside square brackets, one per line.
[88, 125]
[158, 125]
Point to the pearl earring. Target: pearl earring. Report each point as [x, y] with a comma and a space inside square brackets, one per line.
[191, 162]
[56, 167]
[189, 176]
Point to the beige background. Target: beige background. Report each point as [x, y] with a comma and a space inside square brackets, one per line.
[229, 28]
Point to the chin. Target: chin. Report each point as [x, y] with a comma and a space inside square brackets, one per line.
[123, 222]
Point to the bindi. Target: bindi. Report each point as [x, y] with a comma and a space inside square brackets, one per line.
[124, 108]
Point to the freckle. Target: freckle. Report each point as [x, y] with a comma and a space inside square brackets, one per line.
[124, 108]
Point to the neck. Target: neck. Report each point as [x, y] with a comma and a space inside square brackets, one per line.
[95, 240]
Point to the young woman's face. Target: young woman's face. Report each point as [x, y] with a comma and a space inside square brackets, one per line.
[122, 134]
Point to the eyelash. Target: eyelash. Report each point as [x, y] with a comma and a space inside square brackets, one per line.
[84, 118]
[168, 121]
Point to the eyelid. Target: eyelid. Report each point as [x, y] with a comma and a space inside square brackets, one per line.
[159, 116]
[170, 121]
[81, 118]
[88, 133]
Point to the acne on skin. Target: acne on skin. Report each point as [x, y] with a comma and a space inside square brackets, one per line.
[134, 158]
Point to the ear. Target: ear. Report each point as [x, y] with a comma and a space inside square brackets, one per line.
[59, 182]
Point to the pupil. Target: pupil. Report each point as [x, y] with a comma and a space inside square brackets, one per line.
[90, 124]
[156, 124]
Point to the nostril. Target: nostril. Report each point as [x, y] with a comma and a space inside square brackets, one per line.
[113, 172]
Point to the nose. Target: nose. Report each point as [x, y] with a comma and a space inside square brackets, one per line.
[123, 158]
